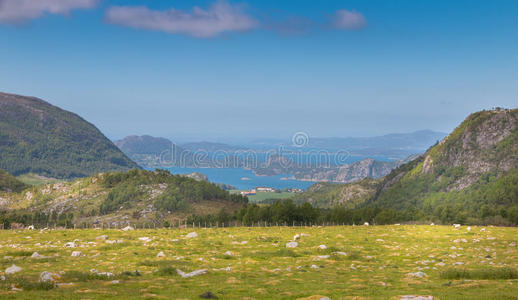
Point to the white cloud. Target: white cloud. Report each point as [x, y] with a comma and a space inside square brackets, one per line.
[19, 11]
[348, 20]
[220, 17]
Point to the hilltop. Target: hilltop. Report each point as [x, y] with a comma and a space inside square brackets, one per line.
[470, 176]
[37, 137]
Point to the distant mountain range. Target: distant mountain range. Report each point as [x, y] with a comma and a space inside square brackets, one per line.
[396, 145]
[149, 152]
[37, 137]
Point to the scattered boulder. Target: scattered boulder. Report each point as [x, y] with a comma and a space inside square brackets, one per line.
[128, 228]
[76, 254]
[49, 277]
[102, 237]
[145, 239]
[292, 245]
[191, 235]
[30, 227]
[366, 224]
[228, 253]
[70, 245]
[37, 255]
[160, 254]
[12, 269]
[191, 274]
[322, 247]
[456, 226]
[2, 278]
[418, 274]
[296, 237]
[411, 297]
[469, 229]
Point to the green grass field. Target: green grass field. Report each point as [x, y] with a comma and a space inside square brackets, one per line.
[261, 196]
[34, 179]
[366, 262]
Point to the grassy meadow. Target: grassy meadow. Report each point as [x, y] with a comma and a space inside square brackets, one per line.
[357, 262]
[261, 196]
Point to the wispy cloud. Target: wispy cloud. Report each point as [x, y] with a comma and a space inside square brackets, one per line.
[20, 11]
[218, 18]
[348, 20]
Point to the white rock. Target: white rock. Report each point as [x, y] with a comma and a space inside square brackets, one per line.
[37, 255]
[2, 277]
[323, 256]
[175, 240]
[228, 253]
[483, 229]
[12, 269]
[411, 297]
[102, 237]
[322, 247]
[160, 254]
[128, 228]
[30, 227]
[70, 245]
[296, 237]
[292, 245]
[469, 229]
[314, 267]
[107, 274]
[512, 244]
[115, 282]
[418, 274]
[432, 224]
[341, 253]
[191, 235]
[456, 226]
[145, 239]
[76, 253]
[48, 277]
[193, 273]
[366, 224]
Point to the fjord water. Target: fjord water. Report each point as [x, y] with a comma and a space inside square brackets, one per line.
[234, 177]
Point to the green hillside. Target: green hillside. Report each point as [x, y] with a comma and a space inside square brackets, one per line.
[119, 198]
[349, 195]
[471, 176]
[10, 184]
[37, 137]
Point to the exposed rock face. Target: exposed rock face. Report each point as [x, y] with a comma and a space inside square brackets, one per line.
[478, 146]
[483, 150]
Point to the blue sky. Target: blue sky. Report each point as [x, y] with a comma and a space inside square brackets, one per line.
[261, 68]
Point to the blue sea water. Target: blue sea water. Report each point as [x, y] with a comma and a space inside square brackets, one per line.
[234, 177]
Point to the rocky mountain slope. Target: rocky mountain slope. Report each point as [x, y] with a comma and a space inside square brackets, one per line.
[367, 168]
[137, 196]
[37, 137]
[470, 175]
[327, 195]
